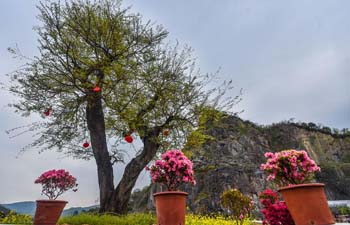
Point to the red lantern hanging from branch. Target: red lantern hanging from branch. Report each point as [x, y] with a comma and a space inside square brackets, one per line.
[128, 138]
[47, 112]
[96, 89]
[166, 132]
[86, 144]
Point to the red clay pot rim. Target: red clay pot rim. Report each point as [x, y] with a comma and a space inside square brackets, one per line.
[301, 185]
[48, 200]
[170, 193]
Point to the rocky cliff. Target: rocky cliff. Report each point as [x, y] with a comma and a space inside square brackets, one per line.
[233, 150]
[227, 152]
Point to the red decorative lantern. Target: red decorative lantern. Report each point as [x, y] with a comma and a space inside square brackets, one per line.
[166, 132]
[86, 144]
[47, 112]
[128, 138]
[96, 89]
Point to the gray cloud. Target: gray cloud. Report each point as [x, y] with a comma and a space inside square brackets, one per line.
[291, 58]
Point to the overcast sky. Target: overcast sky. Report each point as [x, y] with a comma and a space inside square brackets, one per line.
[291, 58]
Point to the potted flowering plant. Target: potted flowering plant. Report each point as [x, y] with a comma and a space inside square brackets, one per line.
[172, 170]
[54, 183]
[292, 171]
[274, 210]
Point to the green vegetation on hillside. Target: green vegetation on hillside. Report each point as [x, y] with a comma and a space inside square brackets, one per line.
[338, 133]
[198, 137]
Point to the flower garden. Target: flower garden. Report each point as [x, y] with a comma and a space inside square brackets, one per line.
[286, 168]
[103, 79]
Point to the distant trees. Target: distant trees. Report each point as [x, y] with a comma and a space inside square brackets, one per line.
[320, 128]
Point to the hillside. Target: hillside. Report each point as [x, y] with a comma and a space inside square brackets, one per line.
[28, 207]
[227, 152]
[233, 156]
[77, 210]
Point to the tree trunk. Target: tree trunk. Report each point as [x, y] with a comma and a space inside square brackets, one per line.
[115, 200]
[96, 126]
[132, 171]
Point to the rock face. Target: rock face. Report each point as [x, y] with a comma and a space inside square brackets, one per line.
[233, 156]
[228, 152]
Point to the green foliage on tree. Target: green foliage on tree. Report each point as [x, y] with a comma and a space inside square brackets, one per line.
[102, 73]
[198, 137]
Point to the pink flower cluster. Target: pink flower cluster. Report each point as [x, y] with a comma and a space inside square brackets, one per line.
[246, 211]
[274, 210]
[56, 182]
[173, 169]
[289, 167]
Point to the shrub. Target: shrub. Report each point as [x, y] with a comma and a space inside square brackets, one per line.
[340, 210]
[344, 210]
[2, 215]
[274, 210]
[105, 219]
[212, 220]
[239, 205]
[14, 218]
[141, 219]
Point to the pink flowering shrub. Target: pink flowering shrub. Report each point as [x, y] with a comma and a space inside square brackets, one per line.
[173, 169]
[289, 167]
[56, 182]
[274, 210]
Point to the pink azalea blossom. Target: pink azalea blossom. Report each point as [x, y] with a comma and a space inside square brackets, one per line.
[289, 167]
[56, 182]
[173, 169]
[275, 211]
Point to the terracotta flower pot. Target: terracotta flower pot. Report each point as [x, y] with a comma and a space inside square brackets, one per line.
[170, 207]
[48, 211]
[307, 203]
